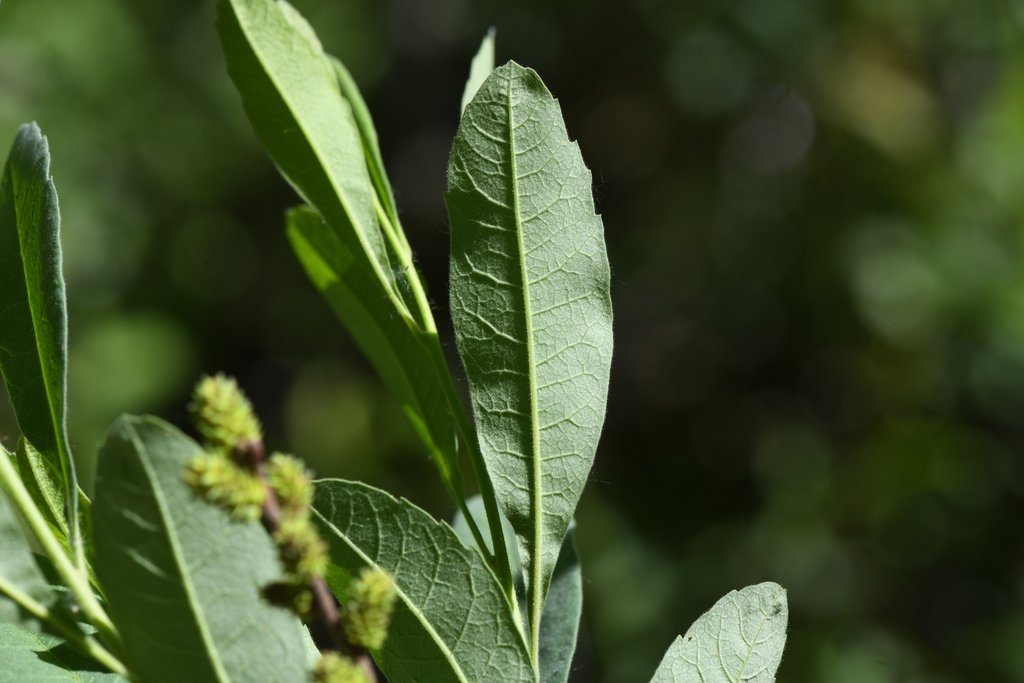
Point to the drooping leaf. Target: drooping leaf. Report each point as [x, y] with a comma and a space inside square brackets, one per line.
[33, 309]
[479, 69]
[182, 580]
[398, 348]
[531, 308]
[452, 621]
[29, 657]
[741, 638]
[560, 620]
[291, 93]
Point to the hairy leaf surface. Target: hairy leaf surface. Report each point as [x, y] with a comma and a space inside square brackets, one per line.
[29, 657]
[531, 308]
[182, 580]
[741, 638]
[452, 622]
[33, 309]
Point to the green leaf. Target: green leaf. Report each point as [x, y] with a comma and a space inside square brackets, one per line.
[741, 638]
[371, 148]
[42, 658]
[33, 309]
[291, 93]
[479, 69]
[398, 348]
[531, 308]
[560, 621]
[182, 580]
[19, 573]
[452, 621]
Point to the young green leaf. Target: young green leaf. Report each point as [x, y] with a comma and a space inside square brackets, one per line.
[531, 308]
[452, 621]
[560, 621]
[479, 69]
[42, 658]
[292, 96]
[741, 638]
[33, 309]
[182, 580]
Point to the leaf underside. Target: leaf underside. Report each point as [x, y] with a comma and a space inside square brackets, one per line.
[182, 580]
[531, 308]
[18, 569]
[29, 657]
[452, 622]
[33, 310]
[741, 638]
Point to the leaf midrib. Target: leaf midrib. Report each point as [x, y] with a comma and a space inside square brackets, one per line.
[416, 612]
[186, 579]
[535, 461]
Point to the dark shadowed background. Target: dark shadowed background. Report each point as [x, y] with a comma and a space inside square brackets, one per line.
[815, 217]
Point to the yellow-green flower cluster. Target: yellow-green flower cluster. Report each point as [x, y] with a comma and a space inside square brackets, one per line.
[289, 479]
[368, 609]
[335, 668]
[222, 413]
[221, 481]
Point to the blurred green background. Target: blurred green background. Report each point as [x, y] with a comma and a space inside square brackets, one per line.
[815, 217]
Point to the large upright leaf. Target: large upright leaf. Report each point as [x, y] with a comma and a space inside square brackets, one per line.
[182, 580]
[531, 308]
[398, 348]
[292, 96]
[29, 657]
[741, 638]
[33, 310]
[452, 621]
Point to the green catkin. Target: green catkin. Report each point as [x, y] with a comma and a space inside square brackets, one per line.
[291, 483]
[368, 609]
[222, 482]
[335, 668]
[303, 553]
[222, 414]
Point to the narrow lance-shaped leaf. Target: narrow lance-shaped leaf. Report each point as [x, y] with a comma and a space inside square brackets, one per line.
[479, 69]
[183, 582]
[292, 96]
[741, 638]
[531, 308]
[43, 658]
[33, 310]
[452, 621]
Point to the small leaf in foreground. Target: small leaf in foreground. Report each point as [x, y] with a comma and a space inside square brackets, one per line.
[33, 309]
[452, 621]
[42, 658]
[741, 638]
[182, 580]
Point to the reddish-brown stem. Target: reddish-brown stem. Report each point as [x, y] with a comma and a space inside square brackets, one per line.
[251, 454]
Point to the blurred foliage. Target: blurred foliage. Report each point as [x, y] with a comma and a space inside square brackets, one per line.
[815, 216]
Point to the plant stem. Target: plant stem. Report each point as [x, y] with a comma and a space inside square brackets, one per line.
[86, 644]
[76, 581]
